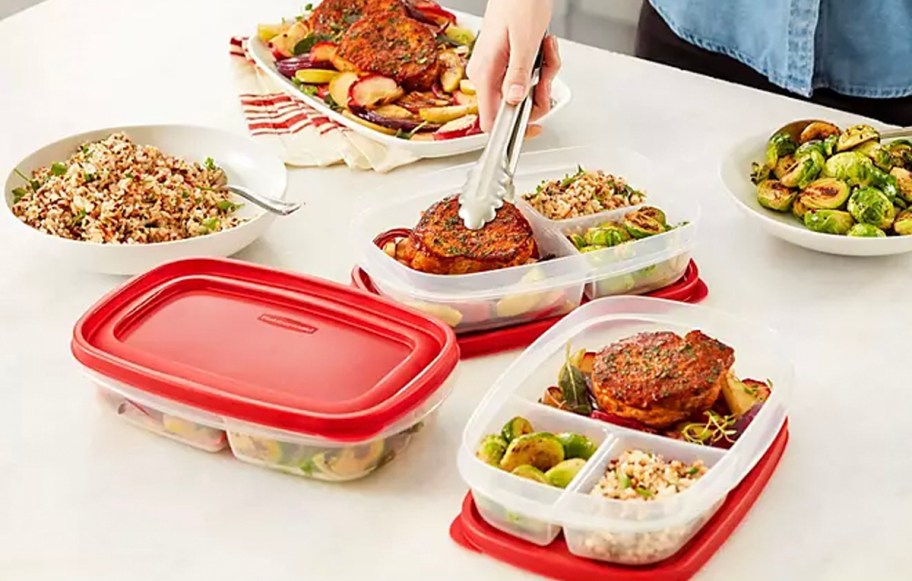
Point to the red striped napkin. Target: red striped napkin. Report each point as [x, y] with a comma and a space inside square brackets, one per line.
[299, 134]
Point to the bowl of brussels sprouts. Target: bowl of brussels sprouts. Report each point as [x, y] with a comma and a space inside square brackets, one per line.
[838, 191]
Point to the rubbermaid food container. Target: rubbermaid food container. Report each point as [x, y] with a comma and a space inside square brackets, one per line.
[293, 373]
[630, 532]
[511, 296]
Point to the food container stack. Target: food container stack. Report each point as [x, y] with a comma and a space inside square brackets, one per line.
[578, 258]
[626, 484]
[292, 373]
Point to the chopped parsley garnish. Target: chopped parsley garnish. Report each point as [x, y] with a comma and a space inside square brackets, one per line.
[90, 177]
[18, 194]
[228, 206]
[308, 7]
[128, 175]
[59, 169]
[210, 164]
[693, 471]
[643, 492]
[211, 224]
[79, 217]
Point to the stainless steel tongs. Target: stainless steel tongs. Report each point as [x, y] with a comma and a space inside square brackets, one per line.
[490, 181]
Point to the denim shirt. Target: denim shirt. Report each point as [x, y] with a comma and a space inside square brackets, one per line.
[861, 48]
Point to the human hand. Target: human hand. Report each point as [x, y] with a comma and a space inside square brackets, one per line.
[501, 64]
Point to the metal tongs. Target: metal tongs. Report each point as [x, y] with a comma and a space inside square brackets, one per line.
[490, 181]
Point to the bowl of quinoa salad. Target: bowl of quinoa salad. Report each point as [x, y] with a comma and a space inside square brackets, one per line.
[123, 200]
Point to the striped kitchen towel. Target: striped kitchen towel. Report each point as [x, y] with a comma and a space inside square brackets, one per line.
[298, 133]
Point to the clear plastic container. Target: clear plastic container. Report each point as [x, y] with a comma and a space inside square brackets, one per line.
[216, 353]
[488, 300]
[634, 532]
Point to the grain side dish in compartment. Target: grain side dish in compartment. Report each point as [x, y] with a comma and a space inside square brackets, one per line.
[842, 182]
[583, 193]
[114, 191]
[662, 383]
[393, 66]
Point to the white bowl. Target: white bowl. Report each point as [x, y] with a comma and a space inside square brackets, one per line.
[735, 172]
[263, 58]
[245, 162]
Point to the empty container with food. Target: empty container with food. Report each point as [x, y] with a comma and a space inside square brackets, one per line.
[292, 372]
[416, 251]
[652, 473]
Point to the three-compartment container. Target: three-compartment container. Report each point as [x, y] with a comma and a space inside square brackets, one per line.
[556, 286]
[629, 532]
[291, 372]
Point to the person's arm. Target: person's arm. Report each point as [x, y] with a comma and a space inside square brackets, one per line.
[505, 52]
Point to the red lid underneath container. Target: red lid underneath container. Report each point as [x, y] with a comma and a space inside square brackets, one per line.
[285, 351]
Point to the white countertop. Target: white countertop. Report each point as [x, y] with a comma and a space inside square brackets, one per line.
[85, 496]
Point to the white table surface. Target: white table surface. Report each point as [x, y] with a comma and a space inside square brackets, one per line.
[84, 496]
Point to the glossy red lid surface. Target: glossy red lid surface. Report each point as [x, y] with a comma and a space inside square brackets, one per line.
[472, 532]
[282, 350]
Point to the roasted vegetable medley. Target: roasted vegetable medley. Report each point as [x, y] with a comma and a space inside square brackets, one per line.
[847, 183]
[552, 459]
[662, 383]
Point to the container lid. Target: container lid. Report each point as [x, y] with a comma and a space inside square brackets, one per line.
[281, 350]
[470, 530]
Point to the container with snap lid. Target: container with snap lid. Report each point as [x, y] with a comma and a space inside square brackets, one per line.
[292, 372]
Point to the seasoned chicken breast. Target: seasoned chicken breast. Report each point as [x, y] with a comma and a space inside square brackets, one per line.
[333, 17]
[659, 379]
[390, 43]
[441, 244]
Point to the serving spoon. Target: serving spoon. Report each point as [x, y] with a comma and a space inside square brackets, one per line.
[795, 128]
[280, 207]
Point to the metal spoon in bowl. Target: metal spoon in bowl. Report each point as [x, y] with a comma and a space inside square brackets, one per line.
[795, 128]
[280, 207]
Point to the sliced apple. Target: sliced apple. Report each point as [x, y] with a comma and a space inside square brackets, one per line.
[446, 114]
[267, 32]
[467, 87]
[459, 34]
[379, 128]
[343, 64]
[339, 87]
[462, 127]
[373, 91]
[315, 76]
[452, 71]
[465, 99]
[284, 44]
[323, 52]
[395, 112]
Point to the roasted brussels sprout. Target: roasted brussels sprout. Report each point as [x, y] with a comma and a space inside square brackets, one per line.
[819, 130]
[903, 223]
[829, 145]
[805, 170]
[866, 231]
[783, 166]
[774, 195]
[577, 446]
[851, 167]
[562, 474]
[799, 208]
[807, 147]
[884, 182]
[881, 157]
[515, 428]
[779, 145]
[901, 150]
[530, 473]
[825, 194]
[903, 183]
[606, 235]
[491, 449]
[871, 206]
[855, 136]
[760, 172]
[828, 221]
[645, 222]
[541, 450]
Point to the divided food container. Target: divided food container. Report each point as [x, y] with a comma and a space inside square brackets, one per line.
[511, 296]
[291, 372]
[630, 532]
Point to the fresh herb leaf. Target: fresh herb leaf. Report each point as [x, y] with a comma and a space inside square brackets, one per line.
[308, 7]
[33, 185]
[210, 164]
[623, 479]
[331, 103]
[79, 217]
[574, 389]
[59, 169]
[643, 492]
[18, 194]
[211, 224]
[693, 471]
[307, 43]
[228, 206]
[85, 150]
[309, 90]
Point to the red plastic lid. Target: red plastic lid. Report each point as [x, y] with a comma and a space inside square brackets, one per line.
[471, 531]
[281, 350]
[690, 288]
